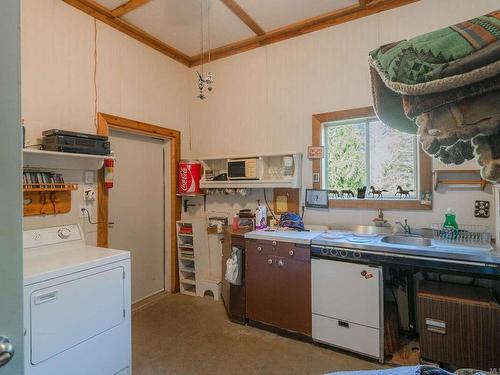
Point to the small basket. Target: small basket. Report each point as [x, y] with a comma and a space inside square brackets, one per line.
[464, 235]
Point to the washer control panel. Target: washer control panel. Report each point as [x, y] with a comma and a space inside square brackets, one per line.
[51, 236]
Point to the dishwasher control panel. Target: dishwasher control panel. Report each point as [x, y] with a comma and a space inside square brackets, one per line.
[336, 252]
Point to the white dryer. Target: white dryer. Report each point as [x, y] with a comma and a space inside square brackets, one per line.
[76, 305]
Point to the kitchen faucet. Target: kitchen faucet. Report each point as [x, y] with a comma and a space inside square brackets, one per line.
[405, 226]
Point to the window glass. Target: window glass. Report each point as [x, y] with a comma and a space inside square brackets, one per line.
[366, 152]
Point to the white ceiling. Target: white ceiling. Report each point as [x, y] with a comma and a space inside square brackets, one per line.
[112, 4]
[271, 14]
[177, 22]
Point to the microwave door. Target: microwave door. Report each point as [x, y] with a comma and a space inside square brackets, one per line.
[236, 169]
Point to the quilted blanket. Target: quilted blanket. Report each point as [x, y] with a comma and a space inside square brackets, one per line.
[445, 86]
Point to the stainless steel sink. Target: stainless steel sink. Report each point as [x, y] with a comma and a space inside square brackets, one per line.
[407, 240]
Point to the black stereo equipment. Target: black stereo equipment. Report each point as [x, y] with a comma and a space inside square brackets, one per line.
[67, 141]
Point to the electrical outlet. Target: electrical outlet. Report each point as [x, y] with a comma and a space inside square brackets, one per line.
[89, 194]
[482, 209]
[84, 209]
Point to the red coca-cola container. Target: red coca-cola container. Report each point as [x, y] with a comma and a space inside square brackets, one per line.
[189, 177]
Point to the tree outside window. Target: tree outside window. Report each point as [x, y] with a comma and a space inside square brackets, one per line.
[366, 152]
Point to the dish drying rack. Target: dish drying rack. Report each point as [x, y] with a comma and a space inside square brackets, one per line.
[475, 235]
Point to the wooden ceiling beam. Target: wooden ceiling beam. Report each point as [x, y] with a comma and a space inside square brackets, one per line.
[243, 16]
[362, 3]
[103, 14]
[303, 27]
[129, 6]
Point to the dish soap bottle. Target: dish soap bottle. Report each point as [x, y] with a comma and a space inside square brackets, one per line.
[450, 226]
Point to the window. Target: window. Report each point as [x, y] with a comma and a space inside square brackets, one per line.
[365, 152]
[362, 151]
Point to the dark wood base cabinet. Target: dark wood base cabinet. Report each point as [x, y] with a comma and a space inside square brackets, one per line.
[459, 326]
[278, 284]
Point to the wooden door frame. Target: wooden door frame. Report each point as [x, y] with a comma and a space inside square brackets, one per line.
[106, 122]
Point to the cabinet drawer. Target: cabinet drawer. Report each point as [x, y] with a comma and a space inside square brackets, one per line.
[294, 251]
[458, 332]
[347, 335]
[264, 248]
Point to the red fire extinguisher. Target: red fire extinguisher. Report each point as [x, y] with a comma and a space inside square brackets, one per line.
[109, 165]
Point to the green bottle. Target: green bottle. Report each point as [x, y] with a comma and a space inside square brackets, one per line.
[450, 226]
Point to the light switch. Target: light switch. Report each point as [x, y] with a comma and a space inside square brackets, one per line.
[89, 177]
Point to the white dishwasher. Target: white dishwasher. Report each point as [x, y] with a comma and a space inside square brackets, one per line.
[347, 306]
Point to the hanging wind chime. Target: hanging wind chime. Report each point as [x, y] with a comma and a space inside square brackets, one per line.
[205, 82]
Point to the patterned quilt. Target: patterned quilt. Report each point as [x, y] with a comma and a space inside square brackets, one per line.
[445, 86]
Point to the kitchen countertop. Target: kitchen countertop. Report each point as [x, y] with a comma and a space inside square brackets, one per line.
[283, 235]
[438, 249]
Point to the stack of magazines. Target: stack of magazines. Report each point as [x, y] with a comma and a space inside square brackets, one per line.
[32, 179]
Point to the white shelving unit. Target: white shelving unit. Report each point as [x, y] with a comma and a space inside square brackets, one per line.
[192, 240]
[272, 172]
[40, 159]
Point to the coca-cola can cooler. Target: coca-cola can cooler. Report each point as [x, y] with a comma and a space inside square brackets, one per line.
[189, 176]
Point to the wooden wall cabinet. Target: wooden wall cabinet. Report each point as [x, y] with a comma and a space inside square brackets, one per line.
[278, 284]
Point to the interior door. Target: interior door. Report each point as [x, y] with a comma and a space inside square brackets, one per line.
[11, 252]
[137, 208]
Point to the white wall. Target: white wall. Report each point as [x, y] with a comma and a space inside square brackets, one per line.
[133, 81]
[262, 102]
[263, 99]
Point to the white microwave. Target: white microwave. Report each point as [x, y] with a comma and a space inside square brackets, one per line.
[244, 169]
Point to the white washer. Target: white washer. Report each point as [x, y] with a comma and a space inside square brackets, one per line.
[76, 305]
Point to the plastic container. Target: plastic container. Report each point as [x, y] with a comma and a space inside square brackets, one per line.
[260, 217]
[450, 226]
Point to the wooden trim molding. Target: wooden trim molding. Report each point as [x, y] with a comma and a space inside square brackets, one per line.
[106, 122]
[309, 25]
[424, 165]
[129, 6]
[105, 15]
[112, 18]
[243, 16]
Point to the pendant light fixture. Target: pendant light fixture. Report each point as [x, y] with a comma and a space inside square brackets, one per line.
[205, 82]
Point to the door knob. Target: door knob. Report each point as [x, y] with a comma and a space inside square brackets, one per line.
[290, 252]
[259, 248]
[281, 263]
[6, 351]
[269, 261]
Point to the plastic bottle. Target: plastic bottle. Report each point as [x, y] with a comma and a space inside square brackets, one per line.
[235, 223]
[260, 216]
[450, 226]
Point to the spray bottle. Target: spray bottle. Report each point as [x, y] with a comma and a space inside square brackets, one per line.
[260, 216]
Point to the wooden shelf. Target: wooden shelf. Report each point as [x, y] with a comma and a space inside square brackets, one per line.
[475, 180]
[190, 194]
[49, 187]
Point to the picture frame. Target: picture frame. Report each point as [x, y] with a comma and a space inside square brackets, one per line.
[317, 198]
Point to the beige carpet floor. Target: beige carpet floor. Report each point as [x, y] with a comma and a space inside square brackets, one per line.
[191, 335]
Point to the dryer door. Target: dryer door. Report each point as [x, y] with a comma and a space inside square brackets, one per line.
[69, 313]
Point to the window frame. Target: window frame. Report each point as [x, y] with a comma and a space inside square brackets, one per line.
[424, 162]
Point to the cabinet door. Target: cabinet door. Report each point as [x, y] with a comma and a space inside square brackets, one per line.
[292, 300]
[259, 271]
[226, 253]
